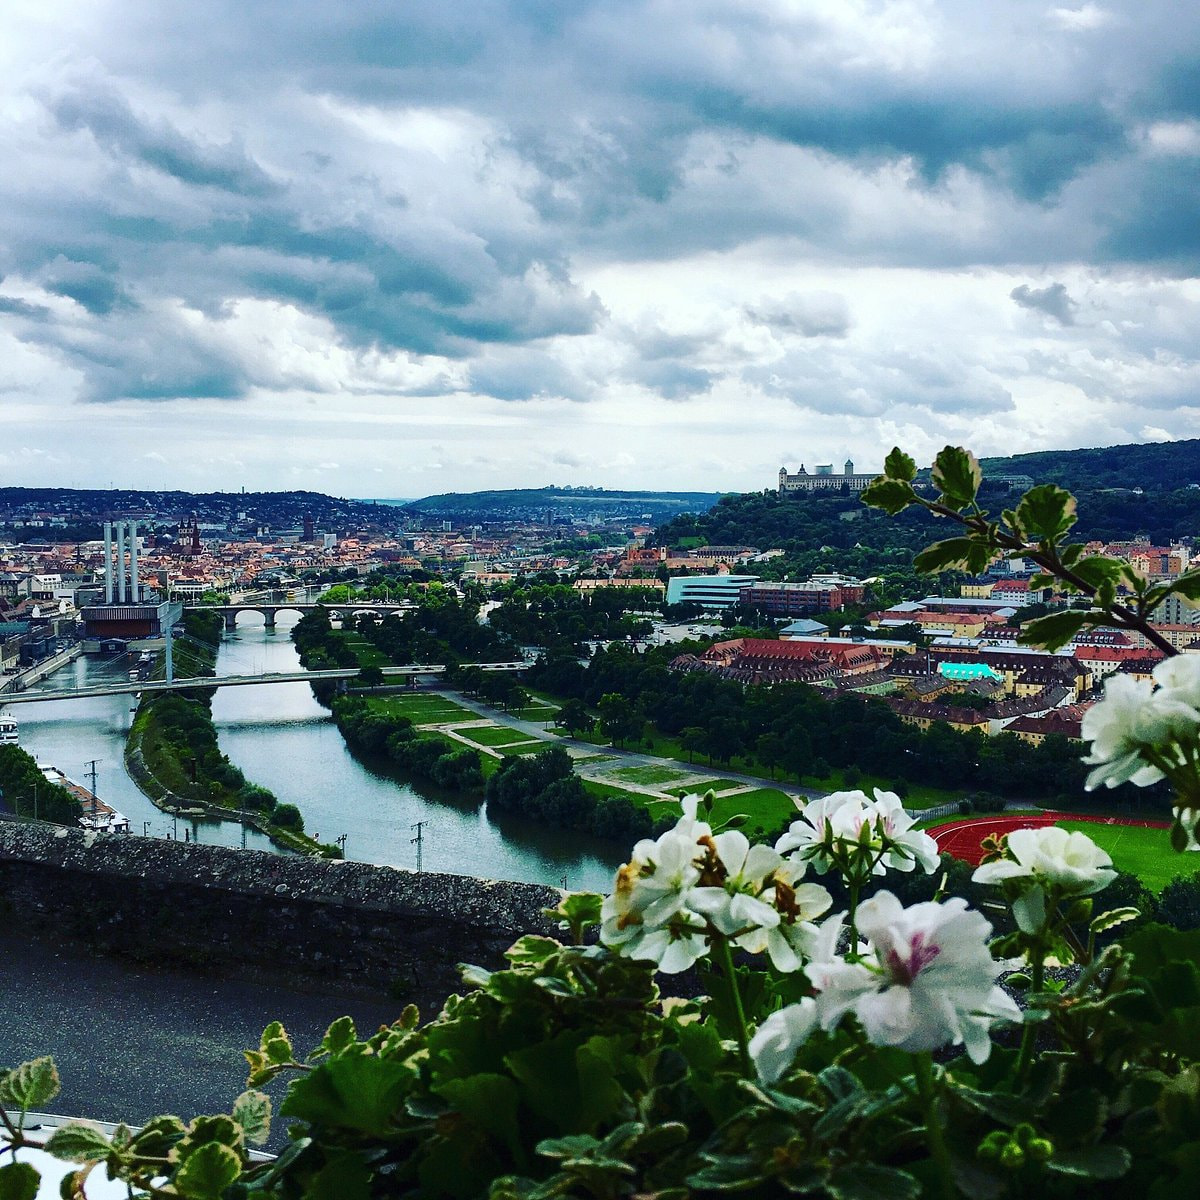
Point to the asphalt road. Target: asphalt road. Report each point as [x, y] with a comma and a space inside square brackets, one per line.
[131, 1042]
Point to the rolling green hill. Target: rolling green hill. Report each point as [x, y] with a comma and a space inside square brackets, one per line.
[552, 502]
[1154, 467]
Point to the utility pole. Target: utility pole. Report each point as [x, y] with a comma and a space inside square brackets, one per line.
[341, 841]
[91, 768]
[418, 841]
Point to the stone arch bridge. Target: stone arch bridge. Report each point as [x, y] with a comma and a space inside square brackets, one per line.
[269, 612]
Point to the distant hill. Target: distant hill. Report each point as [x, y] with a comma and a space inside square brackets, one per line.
[550, 503]
[1157, 467]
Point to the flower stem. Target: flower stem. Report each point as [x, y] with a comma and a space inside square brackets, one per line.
[1037, 978]
[743, 1040]
[927, 1090]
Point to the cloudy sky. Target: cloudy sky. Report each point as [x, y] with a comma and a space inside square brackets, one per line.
[391, 249]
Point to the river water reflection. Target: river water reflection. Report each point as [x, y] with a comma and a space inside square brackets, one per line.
[283, 739]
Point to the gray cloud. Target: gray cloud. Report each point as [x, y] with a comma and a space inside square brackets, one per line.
[438, 180]
[816, 315]
[1053, 301]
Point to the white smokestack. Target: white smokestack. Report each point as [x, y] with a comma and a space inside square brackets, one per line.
[135, 596]
[108, 566]
[120, 562]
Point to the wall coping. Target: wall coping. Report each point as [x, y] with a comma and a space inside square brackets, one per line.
[506, 907]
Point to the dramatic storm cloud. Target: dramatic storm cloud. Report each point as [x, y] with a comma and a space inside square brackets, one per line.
[389, 250]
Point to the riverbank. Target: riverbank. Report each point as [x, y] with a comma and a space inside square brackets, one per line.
[31, 675]
[172, 755]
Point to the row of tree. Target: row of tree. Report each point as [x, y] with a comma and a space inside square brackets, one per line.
[801, 730]
[392, 736]
[25, 791]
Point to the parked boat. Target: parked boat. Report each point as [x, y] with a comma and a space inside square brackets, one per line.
[8, 731]
[97, 816]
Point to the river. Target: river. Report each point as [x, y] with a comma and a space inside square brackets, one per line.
[283, 739]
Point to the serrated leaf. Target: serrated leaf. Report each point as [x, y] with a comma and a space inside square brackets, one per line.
[352, 1092]
[898, 465]
[957, 476]
[1096, 570]
[344, 1177]
[944, 555]
[19, 1181]
[252, 1111]
[1113, 918]
[157, 1136]
[208, 1172]
[279, 1051]
[1187, 586]
[1046, 512]
[1092, 1162]
[30, 1085]
[78, 1142]
[339, 1035]
[891, 495]
[532, 950]
[1054, 631]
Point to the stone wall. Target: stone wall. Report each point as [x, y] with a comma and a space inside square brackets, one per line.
[311, 922]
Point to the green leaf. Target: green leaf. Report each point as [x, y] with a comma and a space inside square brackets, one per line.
[279, 1051]
[78, 1142]
[968, 553]
[252, 1111]
[868, 1181]
[532, 950]
[1054, 631]
[1046, 512]
[354, 1092]
[1187, 586]
[957, 476]
[19, 1181]
[891, 495]
[1097, 570]
[339, 1036]
[490, 1102]
[30, 1085]
[208, 1172]
[157, 1136]
[344, 1177]
[577, 913]
[1113, 918]
[1092, 1162]
[898, 465]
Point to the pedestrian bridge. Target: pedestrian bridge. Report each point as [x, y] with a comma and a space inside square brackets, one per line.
[340, 674]
[269, 611]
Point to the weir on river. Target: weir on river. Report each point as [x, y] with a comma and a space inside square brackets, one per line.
[283, 739]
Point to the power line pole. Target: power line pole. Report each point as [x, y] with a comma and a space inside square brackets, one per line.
[91, 769]
[418, 841]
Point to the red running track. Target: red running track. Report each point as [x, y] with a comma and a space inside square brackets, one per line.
[963, 839]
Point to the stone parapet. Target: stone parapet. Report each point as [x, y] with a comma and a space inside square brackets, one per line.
[325, 923]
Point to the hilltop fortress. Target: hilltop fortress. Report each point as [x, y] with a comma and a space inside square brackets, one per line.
[822, 480]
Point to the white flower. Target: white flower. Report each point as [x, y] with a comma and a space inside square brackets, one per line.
[906, 846]
[1049, 857]
[794, 938]
[1131, 718]
[773, 1046]
[1070, 861]
[846, 827]
[1179, 678]
[925, 979]
[736, 906]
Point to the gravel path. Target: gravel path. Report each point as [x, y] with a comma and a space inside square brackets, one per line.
[131, 1042]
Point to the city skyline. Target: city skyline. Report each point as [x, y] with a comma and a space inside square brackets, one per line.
[630, 245]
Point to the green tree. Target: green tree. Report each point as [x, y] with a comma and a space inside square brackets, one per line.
[620, 721]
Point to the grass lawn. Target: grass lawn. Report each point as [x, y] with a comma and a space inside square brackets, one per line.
[767, 809]
[648, 776]
[535, 747]
[421, 708]
[715, 785]
[494, 735]
[1145, 853]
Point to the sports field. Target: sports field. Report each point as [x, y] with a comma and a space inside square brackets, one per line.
[1140, 847]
